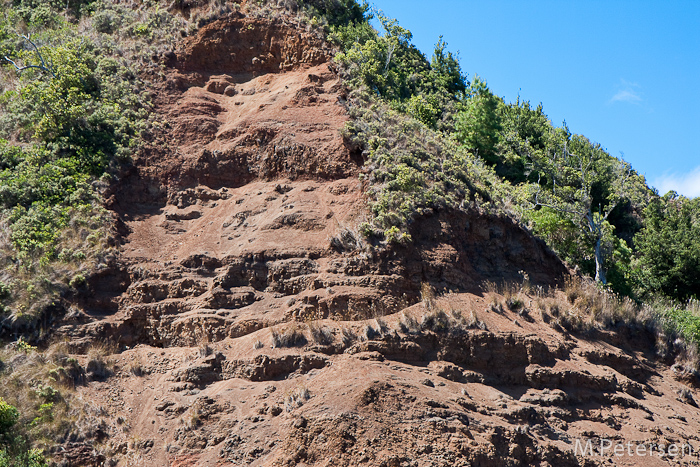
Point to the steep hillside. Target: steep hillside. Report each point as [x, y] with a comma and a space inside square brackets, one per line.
[244, 212]
[244, 318]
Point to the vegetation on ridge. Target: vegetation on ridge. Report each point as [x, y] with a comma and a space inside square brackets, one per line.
[73, 109]
[434, 139]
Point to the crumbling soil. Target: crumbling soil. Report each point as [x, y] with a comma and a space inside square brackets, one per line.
[256, 326]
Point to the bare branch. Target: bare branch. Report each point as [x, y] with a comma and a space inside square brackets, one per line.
[42, 66]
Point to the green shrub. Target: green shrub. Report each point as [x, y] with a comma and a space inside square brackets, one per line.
[413, 169]
[9, 415]
[77, 281]
[686, 321]
[77, 112]
[5, 291]
[24, 346]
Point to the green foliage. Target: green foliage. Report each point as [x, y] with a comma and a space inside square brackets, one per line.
[526, 133]
[668, 246]
[401, 106]
[77, 281]
[43, 12]
[29, 458]
[683, 320]
[478, 124]
[24, 346]
[80, 110]
[5, 291]
[414, 170]
[426, 109]
[38, 192]
[445, 71]
[9, 415]
[338, 12]
[561, 234]
[347, 35]
[583, 198]
[13, 447]
[71, 113]
[396, 70]
[45, 414]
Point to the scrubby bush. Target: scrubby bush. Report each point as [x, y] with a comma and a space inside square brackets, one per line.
[13, 446]
[72, 109]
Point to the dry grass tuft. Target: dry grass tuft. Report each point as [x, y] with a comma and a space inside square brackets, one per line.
[296, 398]
[348, 337]
[427, 294]
[291, 336]
[321, 334]
[42, 386]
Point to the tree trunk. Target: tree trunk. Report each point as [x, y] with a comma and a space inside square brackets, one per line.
[599, 269]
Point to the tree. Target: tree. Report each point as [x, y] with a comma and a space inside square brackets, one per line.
[668, 258]
[445, 71]
[41, 65]
[526, 134]
[478, 124]
[585, 185]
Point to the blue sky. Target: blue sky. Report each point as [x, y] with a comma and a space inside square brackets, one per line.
[624, 73]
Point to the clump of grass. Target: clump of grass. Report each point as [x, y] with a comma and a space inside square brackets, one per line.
[135, 367]
[321, 334]
[681, 320]
[591, 307]
[348, 336]
[574, 288]
[296, 398]
[427, 294]
[490, 287]
[347, 240]
[510, 291]
[525, 286]
[408, 324]
[291, 336]
[454, 322]
[472, 321]
[436, 321]
[515, 304]
[41, 385]
[98, 366]
[381, 325]
[371, 333]
[204, 350]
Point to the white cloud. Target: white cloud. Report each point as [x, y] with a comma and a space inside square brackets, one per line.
[687, 184]
[627, 92]
[626, 95]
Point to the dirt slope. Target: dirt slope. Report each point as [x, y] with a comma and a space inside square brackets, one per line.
[257, 329]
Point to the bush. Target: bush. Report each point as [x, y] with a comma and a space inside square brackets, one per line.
[683, 320]
[13, 447]
[5, 291]
[77, 113]
[9, 415]
[413, 169]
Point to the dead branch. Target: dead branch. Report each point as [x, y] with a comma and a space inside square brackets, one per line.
[43, 66]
